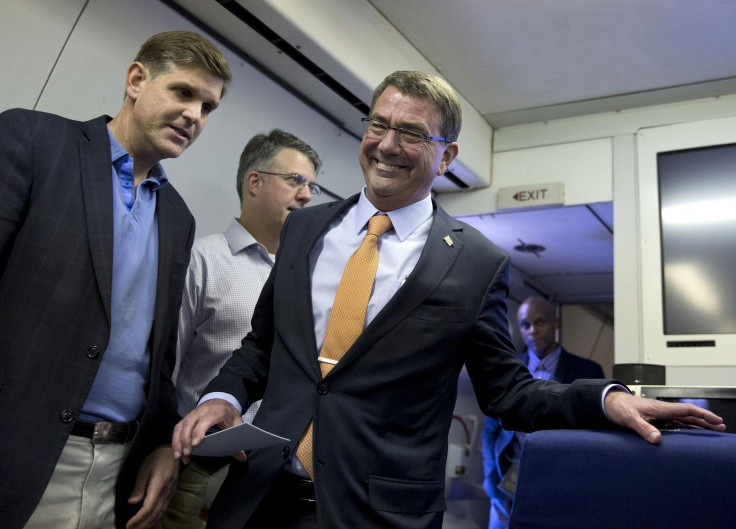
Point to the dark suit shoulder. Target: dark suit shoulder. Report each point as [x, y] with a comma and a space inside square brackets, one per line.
[45, 125]
[328, 209]
[170, 193]
[471, 236]
[316, 217]
[34, 117]
[578, 367]
[321, 215]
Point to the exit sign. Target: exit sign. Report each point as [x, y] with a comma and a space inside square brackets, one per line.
[531, 196]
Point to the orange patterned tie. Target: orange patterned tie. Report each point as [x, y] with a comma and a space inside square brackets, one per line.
[348, 314]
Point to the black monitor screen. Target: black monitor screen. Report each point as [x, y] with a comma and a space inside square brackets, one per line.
[721, 400]
[725, 408]
[697, 190]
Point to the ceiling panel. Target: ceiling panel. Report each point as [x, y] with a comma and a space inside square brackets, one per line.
[530, 61]
[577, 260]
[521, 62]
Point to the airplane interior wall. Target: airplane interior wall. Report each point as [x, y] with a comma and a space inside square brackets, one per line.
[587, 331]
[593, 155]
[69, 58]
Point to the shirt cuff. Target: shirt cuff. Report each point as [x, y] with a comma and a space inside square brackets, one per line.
[229, 398]
[611, 387]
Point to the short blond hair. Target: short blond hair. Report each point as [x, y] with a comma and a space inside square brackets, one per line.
[171, 49]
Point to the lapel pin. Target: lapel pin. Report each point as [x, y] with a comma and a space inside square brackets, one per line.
[448, 240]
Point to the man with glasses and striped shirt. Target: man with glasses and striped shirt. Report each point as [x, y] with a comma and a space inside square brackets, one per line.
[227, 270]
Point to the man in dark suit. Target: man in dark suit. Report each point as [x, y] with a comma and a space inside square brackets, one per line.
[94, 247]
[379, 419]
[546, 359]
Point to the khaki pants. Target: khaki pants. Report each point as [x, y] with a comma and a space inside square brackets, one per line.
[81, 493]
[189, 506]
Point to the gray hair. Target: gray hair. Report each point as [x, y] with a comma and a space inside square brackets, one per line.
[430, 87]
[263, 148]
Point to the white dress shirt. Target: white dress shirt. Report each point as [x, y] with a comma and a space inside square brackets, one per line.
[226, 274]
[398, 252]
[544, 368]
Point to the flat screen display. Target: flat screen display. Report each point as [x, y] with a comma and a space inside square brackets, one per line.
[697, 191]
[722, 407]
[720, 400]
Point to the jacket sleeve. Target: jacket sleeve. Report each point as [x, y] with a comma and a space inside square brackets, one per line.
[505, 388]
[16, 177]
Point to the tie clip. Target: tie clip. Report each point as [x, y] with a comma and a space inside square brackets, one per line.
[327, 360]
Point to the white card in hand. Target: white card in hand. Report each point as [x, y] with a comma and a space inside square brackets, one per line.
[241, 437]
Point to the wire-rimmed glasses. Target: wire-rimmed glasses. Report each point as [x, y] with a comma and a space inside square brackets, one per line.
[407, 138]
[296, 181]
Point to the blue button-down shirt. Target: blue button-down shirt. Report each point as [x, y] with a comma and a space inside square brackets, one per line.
[118, 392]
[545, 368]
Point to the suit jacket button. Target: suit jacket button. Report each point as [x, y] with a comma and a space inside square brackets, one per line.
[322, 388]
[285, 451]
[93, 352]
[66, 416]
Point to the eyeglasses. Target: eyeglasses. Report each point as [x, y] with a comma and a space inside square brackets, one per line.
[407, 138]
[296, 180]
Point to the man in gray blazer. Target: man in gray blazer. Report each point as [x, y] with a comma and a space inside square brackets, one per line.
[380, 417]
[94, 246]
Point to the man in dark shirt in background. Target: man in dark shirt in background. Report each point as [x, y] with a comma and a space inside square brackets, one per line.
[547, 360]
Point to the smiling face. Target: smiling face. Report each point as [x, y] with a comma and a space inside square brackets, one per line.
[169, 111]
[396, 177]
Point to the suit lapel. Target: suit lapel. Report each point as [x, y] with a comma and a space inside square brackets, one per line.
[435, 261]
[95, 170]
[563, 367]
[165, 222]
[301, 285]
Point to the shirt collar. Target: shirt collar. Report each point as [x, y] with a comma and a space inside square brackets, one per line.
[156, 176]
[404, 220]
[547, 361]
[238, 238]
